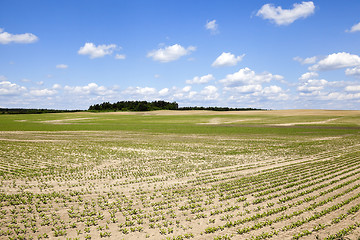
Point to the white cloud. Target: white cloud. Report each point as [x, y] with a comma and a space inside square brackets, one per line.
[272, 90]
[201, 80]
[191, 94]
[212, 26]
[120, 56]
[62, 66]
[353, 88]
[355, 28]
[97, 51]
[164, 91]
[336, 61]
[9, 89]
[340, 96]
[6, 38]
[3, 78]
[185, 94]
[56, 86]
[146, 90]
[353, 71]
[42, 92]
[170, 53]
[245, 89]
[256, 93]
[286, 16]
[227, 59]
[272, 93]
[90, 89]
[186, 88]
[309, 60]
[246, 76]
[210, 92]
[140, 91]
[312, 85]
[308, 75]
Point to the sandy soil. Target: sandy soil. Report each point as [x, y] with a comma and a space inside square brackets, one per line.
[104, 176]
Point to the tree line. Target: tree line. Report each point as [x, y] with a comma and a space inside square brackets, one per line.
[218, 108]
[155, 105]
[123, 106]
[32, 111]
[134, 106]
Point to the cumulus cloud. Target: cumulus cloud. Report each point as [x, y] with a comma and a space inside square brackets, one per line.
[340, 96]
[272, 89]
[353, 71]
[336, 61]
[97, 51]
[352, 88]
[6, 38]
[10, 89]
[309, 60]
[286, 16]
[212, 26]
[275, 93]
[42, 92]
[90, 89]
[164, 92]
[256, 93]
[183, 93]
[201, 80]
[140, 91]
[210, 92]
[227, 59]
[245, 88]
[120, 56]
[186, 89]
[170, 53]
[246, 76]
[355, 28]
[312, 85]
[62, 66]
[56, 86]
[308, 75]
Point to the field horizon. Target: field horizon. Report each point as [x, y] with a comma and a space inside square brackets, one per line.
[274, 174]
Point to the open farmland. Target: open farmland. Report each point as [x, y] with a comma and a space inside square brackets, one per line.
[180, 175]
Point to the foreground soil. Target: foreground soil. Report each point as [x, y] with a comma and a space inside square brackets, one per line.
[291, 174]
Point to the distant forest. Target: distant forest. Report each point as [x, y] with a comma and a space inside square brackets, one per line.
[134, 106]
[155, 105]
[32, 111]
[123, 106]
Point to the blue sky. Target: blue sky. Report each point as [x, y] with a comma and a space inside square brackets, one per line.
[261, 54]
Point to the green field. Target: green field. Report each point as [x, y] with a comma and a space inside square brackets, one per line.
[180, 175]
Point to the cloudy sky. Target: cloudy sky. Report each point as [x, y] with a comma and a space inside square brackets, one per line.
[263, 54]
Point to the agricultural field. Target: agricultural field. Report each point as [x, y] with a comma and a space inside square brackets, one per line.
[175, 175]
